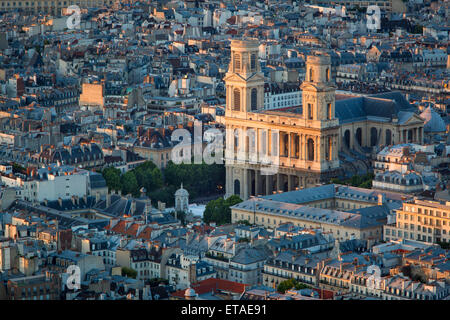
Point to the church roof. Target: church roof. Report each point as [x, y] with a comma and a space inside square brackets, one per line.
[386, 106]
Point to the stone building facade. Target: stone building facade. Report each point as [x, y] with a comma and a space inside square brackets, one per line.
[270, 151]
[302, 147]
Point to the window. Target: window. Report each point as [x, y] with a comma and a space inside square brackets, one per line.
[310, 150]
[310, 111]
[253, 62]
[237, 63]
[237, 99]
[254, 99]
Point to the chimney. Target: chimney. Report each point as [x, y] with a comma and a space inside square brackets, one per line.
[46, 202]
[97, 197]
[193, 273]
[60, 202]
[108, 199]
[119, 192]
[85, 198]
[74, 201]
[381, 199]
[133, 207]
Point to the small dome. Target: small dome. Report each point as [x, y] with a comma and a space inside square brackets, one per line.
[182, 192]
[190, 293]
[433, 121]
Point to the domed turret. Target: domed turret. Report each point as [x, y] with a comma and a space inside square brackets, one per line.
[181, 199]
[190, 294]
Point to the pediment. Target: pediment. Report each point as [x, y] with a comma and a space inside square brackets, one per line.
[255, 77]
[413, 119]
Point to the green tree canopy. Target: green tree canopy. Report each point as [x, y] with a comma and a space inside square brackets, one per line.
[128, 272]
[289, 284]
[219, 211]
[112, 178]
[130, 184]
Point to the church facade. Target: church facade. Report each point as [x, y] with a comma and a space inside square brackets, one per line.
[305, 144]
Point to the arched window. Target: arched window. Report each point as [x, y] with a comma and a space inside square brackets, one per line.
[373, 136]
[237, 187]
[237, 99]
[328, 76]
[254, 99]
[388, 137]
[329, 115]
[359, 136]
[310, 149]
[311, 74]
[347, 138]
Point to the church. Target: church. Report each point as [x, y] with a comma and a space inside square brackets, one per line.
[312, 143]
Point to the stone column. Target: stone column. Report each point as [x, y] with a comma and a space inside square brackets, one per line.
[268, 184]
[316, 149]
[229, 185]
[257, 182]
[244, 190]
[290, 177]
[289, 145]
[278, 182]
[300, 146]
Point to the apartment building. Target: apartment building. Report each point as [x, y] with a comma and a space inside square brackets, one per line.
[423, 220]
[288, 265]
[48, 6]
[38, 287]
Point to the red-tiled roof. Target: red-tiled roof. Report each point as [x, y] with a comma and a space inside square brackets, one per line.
[203, 229]
[119, 227]
[145, 234]
[132, 230]
[213, 284]
[324, 294]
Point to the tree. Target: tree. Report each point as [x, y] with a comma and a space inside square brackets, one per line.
[289, 284]
[130, 184]
[128, 272]
[112, 178]
[165, 194]
[17, 168]
[244, 222]
[198, 179]
[154, 282]
[219, 211]
[418, 29]
[181, 215]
